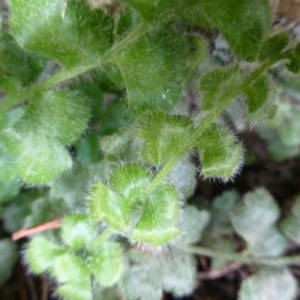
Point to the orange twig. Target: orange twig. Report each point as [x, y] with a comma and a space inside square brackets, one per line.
[43, 227]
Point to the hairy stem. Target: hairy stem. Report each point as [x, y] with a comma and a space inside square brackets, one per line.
[210, 118]
[243, 258]
[64, 75]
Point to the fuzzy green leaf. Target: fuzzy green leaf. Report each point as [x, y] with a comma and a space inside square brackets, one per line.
[73, 273]
[62, 115]
[221, 86]
[153, 69]
[41, 159]
[130, 181]
[79, 37]
[221, 156]
[107, 263]
[260, 102]
[244, 26]
[260, 208]
[156, 223]
[80, 291]
[77, 231]
[291, 225]
[111, 207]
[8, 256]
[272, 47]
[294, 63]
[150, 10]
[41, 254]
[269, 283]
[17, 67]
[162, 135]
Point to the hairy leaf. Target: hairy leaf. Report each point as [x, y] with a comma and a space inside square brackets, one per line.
[244, 26]
[220, 155]
[260, 102]
[41, 159]
[17, 67]
[106, 204]
[272, 47]
[260, 208]
[62, 115]
[77, 231]
[107, 263]
[79, 37]
[156, 223]
[269, 283]
[162, 135]
[153, 69]
[130, 181]
[220, 86]
[41, 254]
[73, 273]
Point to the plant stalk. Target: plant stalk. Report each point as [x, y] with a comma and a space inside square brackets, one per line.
[243, 258]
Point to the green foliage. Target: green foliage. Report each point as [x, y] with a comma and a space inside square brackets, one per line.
[167, 135]
[221, 157]
[290, 226]
[259, 207]
[111, 153]
[72, 40]
[269, 283]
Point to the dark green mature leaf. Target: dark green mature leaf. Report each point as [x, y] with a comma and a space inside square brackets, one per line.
[41, 254]
[261, 104]
[221, 156]
[156, 223]
[260, 208]
[8, 256]
[78, 38]
[272, 47]
[269, 283]
[294, 63]
[244, 25]
[153, 69]
[221, 86]
[151, 11]
[162, 135]
[62, 115]
[17, 67]
[107, 263]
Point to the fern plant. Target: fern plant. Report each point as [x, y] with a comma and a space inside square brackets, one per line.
[95, 130]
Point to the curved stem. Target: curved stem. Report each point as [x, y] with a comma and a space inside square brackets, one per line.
[247, 259]
[211, 117]
[66, 74]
